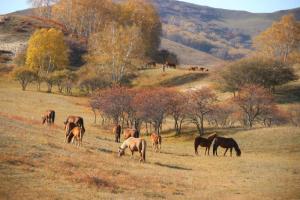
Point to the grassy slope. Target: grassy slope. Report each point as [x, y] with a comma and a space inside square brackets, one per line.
[35, 162]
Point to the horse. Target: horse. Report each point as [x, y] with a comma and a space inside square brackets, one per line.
[49, 117]
[227, 143]
[156, 141]
[149, 64]
[203, 142]
[68, 128]
[117, 132]
[76, 120]
[129, 132]
[134, 144]
[171, 65]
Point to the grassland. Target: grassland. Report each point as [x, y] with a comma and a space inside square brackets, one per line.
[35, 163]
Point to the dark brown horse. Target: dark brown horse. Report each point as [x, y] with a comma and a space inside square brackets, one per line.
[170, 65]
[227, 143]
[203, 142]
[49, 117]
[129, 132]
[117, 132]
[76, 120]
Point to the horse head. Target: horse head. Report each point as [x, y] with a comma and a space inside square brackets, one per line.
[44, 119]
[121, 152]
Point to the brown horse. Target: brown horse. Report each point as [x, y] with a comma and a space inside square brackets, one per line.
[117, 132]
[156, 142]
[227, 143]
[49, 117]
[68, 128]
[129, 132]
[170, 65]
[134, 144]
[203, 142]
[76, 120]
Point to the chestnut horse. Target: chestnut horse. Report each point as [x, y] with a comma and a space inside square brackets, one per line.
[49, 117]
[203, 142]
[73, 133]
[227, 143]
[134, 144]
[76, 120]
[129, 132]
[156, 141]
[117, 132]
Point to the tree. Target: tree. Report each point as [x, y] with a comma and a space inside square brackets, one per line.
[222, 114]
[47, 52]
[178, 104]
[280, 40]
[254, 101]
[84, 17]
[201, 103]
[115, 50]
[142, 14]
[43, 8]
[24, 76]
[266, 72]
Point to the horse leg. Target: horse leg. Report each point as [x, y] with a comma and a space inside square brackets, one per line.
[225, 151]
[230, 152]
[131, 154]
[205, 150]
[208, 150]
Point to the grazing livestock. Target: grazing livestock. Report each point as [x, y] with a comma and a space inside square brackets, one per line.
[77, 134]
[203, 142]
[193, 68]
[68, 128]
[227, 143]
[117, 133]
[171, 65]
[156, 142]
[76, 120]
[202, 69]
[49, 117]
[129, 132]
[134, 144]
[149, 64]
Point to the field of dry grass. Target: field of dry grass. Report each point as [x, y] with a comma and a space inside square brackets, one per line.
[35, 163]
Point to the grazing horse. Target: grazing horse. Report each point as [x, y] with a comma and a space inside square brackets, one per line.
[76, 134]
[171, 65]
[49, 117]
[117, 132]
[203, 142]
[68, 128]
[134, 144]
[76, 120]
[129, 132]
[149, 64]
[227, 143]
[156, 141]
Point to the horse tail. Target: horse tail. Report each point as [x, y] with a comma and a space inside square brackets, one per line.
[159, 139]
[82, 124]
[236, 148]
[53, 117]
[144, 150]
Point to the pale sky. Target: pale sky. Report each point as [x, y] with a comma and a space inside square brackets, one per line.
[257, 6]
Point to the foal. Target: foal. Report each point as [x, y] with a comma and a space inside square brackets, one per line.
[203, 142]
[156, 141]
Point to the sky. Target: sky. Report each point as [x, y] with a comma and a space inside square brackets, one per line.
[256, 6]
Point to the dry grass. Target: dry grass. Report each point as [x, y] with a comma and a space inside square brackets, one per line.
[36, 164]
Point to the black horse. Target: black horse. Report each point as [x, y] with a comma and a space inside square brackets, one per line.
[227, 143]
[203, 142]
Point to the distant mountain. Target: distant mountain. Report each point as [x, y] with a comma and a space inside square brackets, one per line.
[226, 34]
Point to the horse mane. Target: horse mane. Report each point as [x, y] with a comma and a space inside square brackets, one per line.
[212, 136]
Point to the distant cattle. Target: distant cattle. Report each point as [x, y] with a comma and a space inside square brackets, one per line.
[170, 65]
[151, 64]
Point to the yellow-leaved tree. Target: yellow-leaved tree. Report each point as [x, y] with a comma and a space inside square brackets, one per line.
[116, 51]
[281, 40]
[47, 52]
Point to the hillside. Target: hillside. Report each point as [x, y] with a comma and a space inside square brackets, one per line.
[226, 34]
[35, 163]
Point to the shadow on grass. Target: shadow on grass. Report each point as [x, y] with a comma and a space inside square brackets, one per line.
[105, 150]
[104, 139]
[175, 154]
[180, 80]
[172, 166]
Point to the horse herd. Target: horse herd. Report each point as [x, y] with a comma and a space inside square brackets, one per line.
[74, 131]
